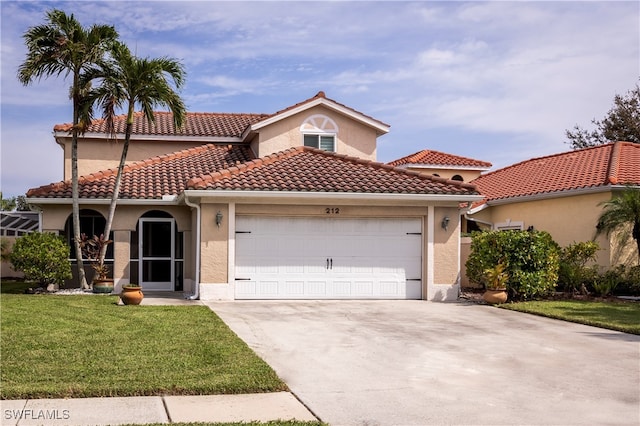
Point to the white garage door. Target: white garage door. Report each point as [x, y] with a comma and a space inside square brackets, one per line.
[328, 258]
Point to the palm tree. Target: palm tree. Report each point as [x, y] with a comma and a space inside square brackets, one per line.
[621, 212]
[128, 81]
[63, 46]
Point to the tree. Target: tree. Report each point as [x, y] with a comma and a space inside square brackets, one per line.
[620, 213]
[7, 204]
[622, 123]
[63, 46]
[127, 81]
[21, 204]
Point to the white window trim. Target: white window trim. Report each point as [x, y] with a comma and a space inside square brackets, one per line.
[509, 225]
[319, 135]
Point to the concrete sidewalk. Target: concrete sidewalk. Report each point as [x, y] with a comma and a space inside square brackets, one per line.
[154, 409]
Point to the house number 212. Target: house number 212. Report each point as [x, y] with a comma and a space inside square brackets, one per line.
[332, 210]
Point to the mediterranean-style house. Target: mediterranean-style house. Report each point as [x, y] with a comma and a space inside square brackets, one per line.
[289, 205]
[560, 194]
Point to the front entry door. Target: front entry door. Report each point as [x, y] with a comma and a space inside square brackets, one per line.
[156, 248]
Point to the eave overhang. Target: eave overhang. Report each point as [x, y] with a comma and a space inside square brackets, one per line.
[248, 196]
[548, 195]
[163, 138]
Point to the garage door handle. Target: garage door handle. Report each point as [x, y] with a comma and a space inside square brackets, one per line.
[327, 267]
[243, 279]
[331, 263]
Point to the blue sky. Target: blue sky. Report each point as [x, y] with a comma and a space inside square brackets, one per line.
[495, 81]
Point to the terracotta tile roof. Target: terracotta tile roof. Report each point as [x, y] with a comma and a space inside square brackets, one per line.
[600, 166]
[436, 158]
[217, 167]
[201, 124]
[196, 124]
[312, 170]
[152, 178]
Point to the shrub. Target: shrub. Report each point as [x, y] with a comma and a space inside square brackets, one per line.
[606, 283]
[573, 273]
[42, 257]
[629, 283]
[530, 257]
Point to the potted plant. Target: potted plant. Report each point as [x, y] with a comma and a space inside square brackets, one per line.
[91, 248]
[496, 279]
[131, 294]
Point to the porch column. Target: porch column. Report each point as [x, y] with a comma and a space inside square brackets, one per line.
[121, 257]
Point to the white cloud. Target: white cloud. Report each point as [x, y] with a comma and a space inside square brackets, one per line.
[503, 73]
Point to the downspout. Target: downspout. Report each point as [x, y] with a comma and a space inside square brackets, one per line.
[196, 294]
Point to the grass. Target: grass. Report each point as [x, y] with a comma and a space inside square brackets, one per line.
[88, 346]
[617, 316]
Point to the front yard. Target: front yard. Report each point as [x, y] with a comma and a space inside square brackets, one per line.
[620, 316]
[87, 346]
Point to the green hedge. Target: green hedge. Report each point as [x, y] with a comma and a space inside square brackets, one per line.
[531, 259]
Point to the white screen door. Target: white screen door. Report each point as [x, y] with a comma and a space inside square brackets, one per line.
[157, 253]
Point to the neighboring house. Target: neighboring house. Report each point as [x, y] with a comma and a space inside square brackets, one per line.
[290, 205]
[561, 194]
[444, 165]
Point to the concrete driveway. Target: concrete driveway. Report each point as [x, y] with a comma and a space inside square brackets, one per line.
[423, 363]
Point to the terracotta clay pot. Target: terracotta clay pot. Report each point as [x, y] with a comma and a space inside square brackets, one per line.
[131, 295]
[495, 297]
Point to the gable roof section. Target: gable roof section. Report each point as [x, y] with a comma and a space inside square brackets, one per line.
[428, 157]
[590, 168]
[152, 178]
[197, 124]
[305, 169]
[321, 99]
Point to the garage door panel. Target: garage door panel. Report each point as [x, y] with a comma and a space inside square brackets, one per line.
[315, 258]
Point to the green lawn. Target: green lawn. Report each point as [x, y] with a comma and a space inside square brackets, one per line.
[84, 346]
[623, 317]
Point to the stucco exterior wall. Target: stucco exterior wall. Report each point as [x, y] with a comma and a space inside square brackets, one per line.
[446, 252]
[100, 154]
[214, 246]
[353, 138]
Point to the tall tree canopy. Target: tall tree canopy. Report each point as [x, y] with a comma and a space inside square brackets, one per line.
[622, 123]
[127, 81]
[62, 46]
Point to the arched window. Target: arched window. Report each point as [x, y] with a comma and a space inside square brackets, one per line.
[319, 131]
[458, 178]
[91, 223]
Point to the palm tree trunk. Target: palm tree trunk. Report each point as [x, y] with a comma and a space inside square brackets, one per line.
[635, 233]
[116, 186]
[74, 185]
